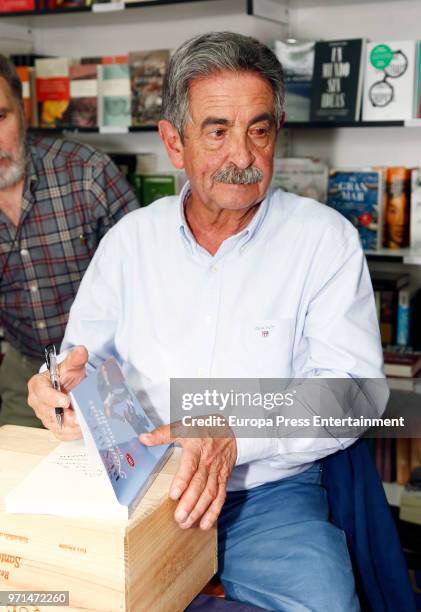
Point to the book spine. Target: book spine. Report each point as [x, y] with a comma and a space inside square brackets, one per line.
[396, 225]
[415, 214]
[403, 317]
[388, 315]
[389, 464]
[403, 460]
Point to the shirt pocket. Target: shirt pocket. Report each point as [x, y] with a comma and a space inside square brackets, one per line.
[269, 344]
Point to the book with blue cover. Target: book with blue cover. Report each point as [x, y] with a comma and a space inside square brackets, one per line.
[358, 195]
[106, 474]
[111, 419]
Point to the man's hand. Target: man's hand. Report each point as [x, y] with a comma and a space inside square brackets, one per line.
[201, 481]
[43, 398]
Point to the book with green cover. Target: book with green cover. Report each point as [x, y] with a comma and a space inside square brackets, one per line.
[155, 186]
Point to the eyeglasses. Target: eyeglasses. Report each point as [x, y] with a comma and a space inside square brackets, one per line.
[382, 92]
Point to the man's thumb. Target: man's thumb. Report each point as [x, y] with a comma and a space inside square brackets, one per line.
[160, 435]
[76, 359]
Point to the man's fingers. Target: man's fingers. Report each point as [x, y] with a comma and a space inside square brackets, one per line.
[76, 359]
[191, 495]
[189, 463]
[160, 435]
[211, 515]
[206, 498]
[72, 369]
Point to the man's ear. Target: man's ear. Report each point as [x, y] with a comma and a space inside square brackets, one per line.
[172, 141]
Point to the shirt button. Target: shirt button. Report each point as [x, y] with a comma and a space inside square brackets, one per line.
[24, 252]
[214, 268]
[33, 287]
[41, 324]
[208, 319]
[201, 372]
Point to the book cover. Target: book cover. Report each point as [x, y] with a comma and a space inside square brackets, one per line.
[83, 107]
[301, 175]
[397, 205]
[147, 70]
[155, 186]
[16, 6]
[25, 78]
[415, 210]
[111, 419]
[389, 81]
[114, 95]
[297, 59]
[358, 195]
[106, 474]
[337, 80]
[52, 90]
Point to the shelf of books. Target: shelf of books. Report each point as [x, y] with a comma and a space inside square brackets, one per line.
[28, 8]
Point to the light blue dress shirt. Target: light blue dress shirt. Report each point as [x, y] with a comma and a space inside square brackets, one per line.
[164, 307]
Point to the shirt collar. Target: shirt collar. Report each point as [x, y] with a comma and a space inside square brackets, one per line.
[244, 236]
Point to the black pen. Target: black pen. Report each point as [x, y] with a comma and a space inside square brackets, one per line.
[51, 361]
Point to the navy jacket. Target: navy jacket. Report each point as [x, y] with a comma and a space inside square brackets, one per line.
[358, 505]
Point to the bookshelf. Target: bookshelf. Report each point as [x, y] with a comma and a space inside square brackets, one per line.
[119, 27]
[272, 10]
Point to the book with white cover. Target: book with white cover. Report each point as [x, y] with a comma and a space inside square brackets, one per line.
[106, 474]
[301, 175]
[389, 81]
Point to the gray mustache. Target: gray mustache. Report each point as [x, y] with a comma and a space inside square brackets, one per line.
[234, 176]
[4, 155]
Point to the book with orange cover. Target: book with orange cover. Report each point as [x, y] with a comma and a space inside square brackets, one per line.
[24, 75]
[52, 90]
[396, 217]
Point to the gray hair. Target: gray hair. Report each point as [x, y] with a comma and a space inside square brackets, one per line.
[9, 74]
[212, 53]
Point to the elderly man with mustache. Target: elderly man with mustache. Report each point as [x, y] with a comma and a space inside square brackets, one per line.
[57, 200]
[232, 279]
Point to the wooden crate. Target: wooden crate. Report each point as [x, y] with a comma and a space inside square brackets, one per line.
[146, 564]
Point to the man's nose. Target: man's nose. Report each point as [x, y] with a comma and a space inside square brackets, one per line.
[241, 153]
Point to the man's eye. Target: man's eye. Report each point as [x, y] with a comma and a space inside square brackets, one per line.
[259, 132]
[218, 133]
[2, 116]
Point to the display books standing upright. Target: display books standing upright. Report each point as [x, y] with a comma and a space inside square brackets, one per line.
[358, 195]
[389, 83]
[337, 80]
[297, 59]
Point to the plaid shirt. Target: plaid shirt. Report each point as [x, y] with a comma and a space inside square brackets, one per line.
[72, 196]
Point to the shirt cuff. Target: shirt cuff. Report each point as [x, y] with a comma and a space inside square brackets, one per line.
[252, 449]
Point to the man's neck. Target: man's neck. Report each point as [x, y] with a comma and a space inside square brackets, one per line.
[11, 201]
[211, 227]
